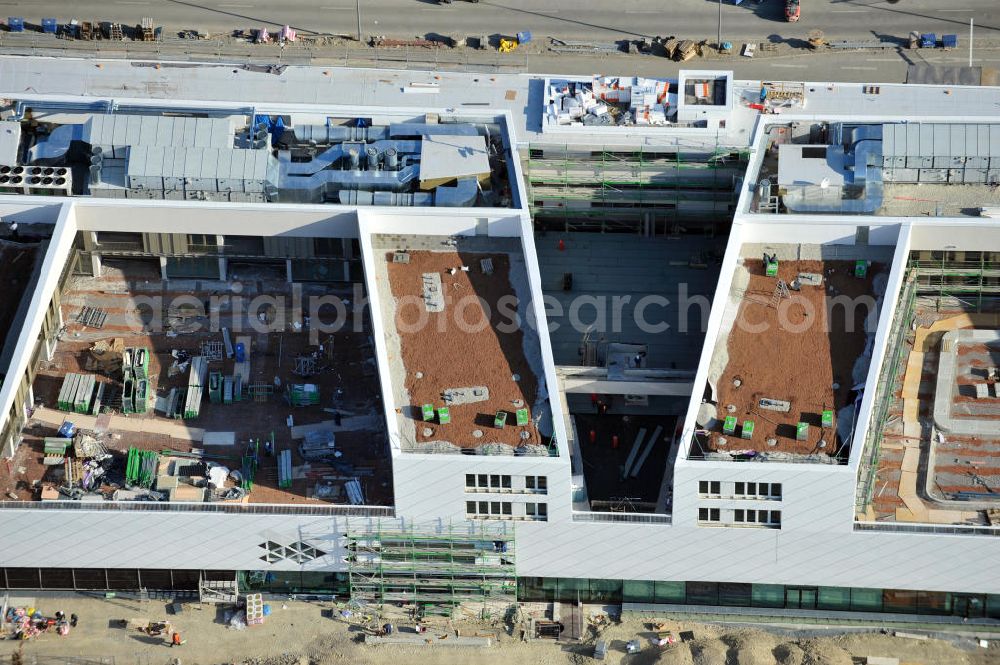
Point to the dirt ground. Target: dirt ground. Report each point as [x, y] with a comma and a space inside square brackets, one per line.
[302, 633]
[798, 358]
[448, 354]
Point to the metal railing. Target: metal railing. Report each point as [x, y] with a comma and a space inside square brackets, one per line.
[635, 518]
[230, 508]
[938, 529]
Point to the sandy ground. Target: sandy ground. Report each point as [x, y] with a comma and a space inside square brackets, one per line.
[301, 633]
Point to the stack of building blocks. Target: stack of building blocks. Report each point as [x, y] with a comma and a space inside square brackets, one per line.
[255, 609]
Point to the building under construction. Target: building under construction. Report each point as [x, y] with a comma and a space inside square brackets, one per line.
[461, 354]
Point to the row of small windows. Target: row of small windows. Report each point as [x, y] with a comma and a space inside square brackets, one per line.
[507, 510]
[713, 488]
[503, 483]
[740, 516]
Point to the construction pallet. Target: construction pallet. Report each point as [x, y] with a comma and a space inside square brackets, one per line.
[92, 317]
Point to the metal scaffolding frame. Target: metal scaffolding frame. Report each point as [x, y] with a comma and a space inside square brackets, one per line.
[965, 280]
[620, 186]
[435, 569]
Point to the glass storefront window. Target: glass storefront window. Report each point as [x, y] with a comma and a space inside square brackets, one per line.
[768, 595]
[571, 589]
[834, 598]
[933, 602]
[605, 591]
[894, 600]
[670, 592]
[702, 593]
[866, 600]
[90, 578]
[734, 595]
[638, 591]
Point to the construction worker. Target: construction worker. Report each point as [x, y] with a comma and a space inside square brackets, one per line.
[175, 640]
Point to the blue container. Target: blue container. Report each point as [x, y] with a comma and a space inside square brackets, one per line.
[523, 37]
[241, 353]
[267, 610]
[15, 24]
[67, 430]
[928, 41]
[949, 41]
[50, 26]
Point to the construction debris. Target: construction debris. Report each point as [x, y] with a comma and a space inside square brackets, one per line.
[92, 317]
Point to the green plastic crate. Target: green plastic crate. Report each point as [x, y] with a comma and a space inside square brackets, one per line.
[729, 426]
[771, 270]
[828, 418]
[500, 420]
[522, 417]
[747, 432]
[861, 269]
[802, 431]
[444, 416]
[428, 410]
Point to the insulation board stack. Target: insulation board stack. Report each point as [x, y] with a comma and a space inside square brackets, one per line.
[285, 469]
[196, 387]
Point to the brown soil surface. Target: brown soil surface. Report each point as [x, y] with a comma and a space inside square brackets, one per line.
[796, 362]
[452, 355]
[16, 261]
[299, 632]
[350, 370]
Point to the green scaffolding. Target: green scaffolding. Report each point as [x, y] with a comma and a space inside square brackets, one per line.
[606, 184]
[434, 569]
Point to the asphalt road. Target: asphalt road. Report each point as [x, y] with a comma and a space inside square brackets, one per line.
[596, 20]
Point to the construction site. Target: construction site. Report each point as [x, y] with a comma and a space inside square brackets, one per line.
[203, 391]
[936, 451]
[21, 254]
[785, 376]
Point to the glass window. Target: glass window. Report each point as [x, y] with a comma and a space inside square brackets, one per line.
[775, 517]
[751, 488]
[482, 481]
[470, 480]
[670, 592]
[571, 589]
[702, 593]
[834, 598]
[605, 591]
[734, 595]
[716, 487]
[542, 483]
[484, 507]
[529, 509]
[183, 579]
[543, 510]
[895, 600]
[713, 514]
[529, 482]
[495, 480]
[703, 514]
[506, 508]
[738, 515]
[866, 600]
[533, 590]
[638, 591]
[90, 578]
[768, 595]
[23, 578]
[505, 482]
[57, 578]
[931, 602]
[776, 490]
[751, 515]
[740, 488]
[703, 487]
[494, 508]
[470, 507]
[993, 606]
[125, 579]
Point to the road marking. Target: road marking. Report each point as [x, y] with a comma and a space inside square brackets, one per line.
[643, 11]
[873, 69]
[130, 2]
[956, 10]
[784, 65]
[881, 59]
[849, 11]
[230, 5]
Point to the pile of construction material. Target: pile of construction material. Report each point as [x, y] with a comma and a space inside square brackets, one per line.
[611, 101]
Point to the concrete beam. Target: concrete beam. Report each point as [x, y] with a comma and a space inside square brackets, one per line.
[606, 386]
